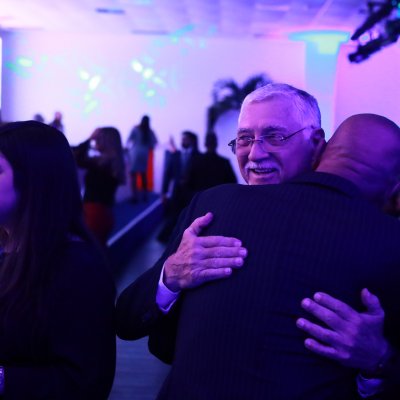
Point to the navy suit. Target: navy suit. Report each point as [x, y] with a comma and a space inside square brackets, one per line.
[237, 338]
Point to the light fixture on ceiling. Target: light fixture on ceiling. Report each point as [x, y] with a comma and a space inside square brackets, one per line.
[385, 16]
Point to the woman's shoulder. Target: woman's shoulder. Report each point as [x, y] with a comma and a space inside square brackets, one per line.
[81, 283]
[83, 262]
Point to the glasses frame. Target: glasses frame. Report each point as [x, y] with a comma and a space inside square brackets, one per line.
[282, 138]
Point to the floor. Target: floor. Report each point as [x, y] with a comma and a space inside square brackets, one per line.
[139, 375]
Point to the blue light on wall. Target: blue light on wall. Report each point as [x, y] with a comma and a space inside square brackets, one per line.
[322, 48]
[20, 66]
[25, 62]
[91, 103]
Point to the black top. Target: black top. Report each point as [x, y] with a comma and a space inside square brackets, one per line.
[208, 170]
[70, 354]
[100, 184]
[237, 338]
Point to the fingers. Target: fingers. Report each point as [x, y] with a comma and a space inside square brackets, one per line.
[220, 263]
[338, 307]
[208, 275]
[321, 349]
[372, 303]
[327, 316]
[322, 334]
[219, 241]
[223, 252]
[199, 223]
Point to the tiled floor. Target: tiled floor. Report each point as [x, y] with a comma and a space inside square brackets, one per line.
[139, 375]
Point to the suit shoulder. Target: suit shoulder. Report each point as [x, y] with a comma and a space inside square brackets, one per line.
[225, 189]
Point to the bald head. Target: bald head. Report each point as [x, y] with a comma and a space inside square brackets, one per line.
[365, 149]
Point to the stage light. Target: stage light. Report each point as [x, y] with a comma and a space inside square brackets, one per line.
[389, 28]
[374, 18]
[363, 52]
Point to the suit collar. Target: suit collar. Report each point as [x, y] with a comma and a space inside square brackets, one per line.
[331, 181]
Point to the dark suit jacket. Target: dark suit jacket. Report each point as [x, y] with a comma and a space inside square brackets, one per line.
[237, 338]
[209, 170]
[174, 170]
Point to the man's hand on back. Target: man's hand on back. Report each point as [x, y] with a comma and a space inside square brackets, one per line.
[202, 259]
[354, 339]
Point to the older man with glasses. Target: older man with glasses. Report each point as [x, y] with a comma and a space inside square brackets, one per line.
[279, 137]
[286, 125]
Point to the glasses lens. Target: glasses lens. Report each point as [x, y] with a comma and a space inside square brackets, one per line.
[272, 140]
[243, 145]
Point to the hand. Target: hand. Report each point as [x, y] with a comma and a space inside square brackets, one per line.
[202, 259]
[354, 339]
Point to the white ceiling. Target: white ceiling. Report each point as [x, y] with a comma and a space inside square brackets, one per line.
[233, 18]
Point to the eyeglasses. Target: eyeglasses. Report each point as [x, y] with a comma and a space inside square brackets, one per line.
[242, 144]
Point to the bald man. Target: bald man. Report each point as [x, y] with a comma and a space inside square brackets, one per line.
[193, 260]
[237, 338]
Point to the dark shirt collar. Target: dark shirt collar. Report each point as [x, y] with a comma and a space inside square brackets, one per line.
[331, 181]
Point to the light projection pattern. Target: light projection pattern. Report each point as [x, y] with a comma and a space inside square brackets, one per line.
[20, 66]
[26, 67]
[92, 84]
[156, 77]
[153, 83]
[155, 80]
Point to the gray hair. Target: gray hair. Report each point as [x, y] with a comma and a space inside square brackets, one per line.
[306, 105]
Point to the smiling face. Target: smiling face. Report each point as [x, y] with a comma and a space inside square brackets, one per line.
[8, 195]
[297, 155]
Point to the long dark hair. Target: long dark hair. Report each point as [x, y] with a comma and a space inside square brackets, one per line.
[112, 151]
[48, 211]
[144, 127]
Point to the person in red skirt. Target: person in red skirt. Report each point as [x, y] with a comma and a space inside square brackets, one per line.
[102, 157]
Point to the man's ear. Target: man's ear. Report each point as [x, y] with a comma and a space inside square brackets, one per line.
[319, 143]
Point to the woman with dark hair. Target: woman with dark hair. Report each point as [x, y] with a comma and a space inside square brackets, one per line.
[140, 143]
[105, 172]
[57, 337]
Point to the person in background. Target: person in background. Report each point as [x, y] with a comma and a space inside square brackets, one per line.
[177, 165]
[140, 142]
[57, 122]
[57, 293]
[105, 171]
[210, 169]
[38, 117]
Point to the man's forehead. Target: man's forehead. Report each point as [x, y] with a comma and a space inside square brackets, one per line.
[263, 128]
[277, 113]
